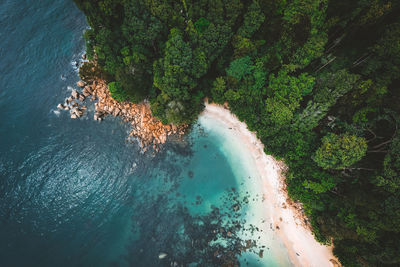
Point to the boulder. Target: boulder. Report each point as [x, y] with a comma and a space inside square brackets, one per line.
[77, 112]
[116, 111]
[60, 106]
[74, 94]
[85, 93]
[88, 89]
[84, 56]
[82, 98]
[73, 116]
[80, 84]
[68, 100]
[98, 116]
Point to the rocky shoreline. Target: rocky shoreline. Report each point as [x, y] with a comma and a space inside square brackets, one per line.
[148, 130]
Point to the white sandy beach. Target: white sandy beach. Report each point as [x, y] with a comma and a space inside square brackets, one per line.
[302, 248]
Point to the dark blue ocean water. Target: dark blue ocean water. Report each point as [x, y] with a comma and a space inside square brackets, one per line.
[74, 192]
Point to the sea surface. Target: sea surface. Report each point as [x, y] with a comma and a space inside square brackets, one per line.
[77, 193]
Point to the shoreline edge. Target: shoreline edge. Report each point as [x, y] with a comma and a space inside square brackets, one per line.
[298, 239]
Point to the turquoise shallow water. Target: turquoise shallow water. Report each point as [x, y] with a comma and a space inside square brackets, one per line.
[74, 193]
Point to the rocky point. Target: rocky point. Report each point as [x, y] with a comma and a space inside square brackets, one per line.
[148, 130]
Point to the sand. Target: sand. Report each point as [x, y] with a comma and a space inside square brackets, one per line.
[302, 248]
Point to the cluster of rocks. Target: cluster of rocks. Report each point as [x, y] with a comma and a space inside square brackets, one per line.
[75, 109]
[149, 131]
[146, 128]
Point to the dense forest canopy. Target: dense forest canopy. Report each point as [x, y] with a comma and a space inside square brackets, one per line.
[318, 80]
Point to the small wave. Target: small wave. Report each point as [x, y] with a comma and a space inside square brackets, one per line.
[75, 65]
[2, 167]
[133, 168]
[70, 88]
[57, 112]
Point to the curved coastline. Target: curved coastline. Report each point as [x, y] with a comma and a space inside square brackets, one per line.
[302, 248]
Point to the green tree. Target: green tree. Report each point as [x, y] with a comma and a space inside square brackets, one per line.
[285, 93]
[340, 151]
[240, 67]
[174, 76]
[117, 92]
[252, 20]
[201, 24]
[218, 90]
[390, 178]
[329, 88]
